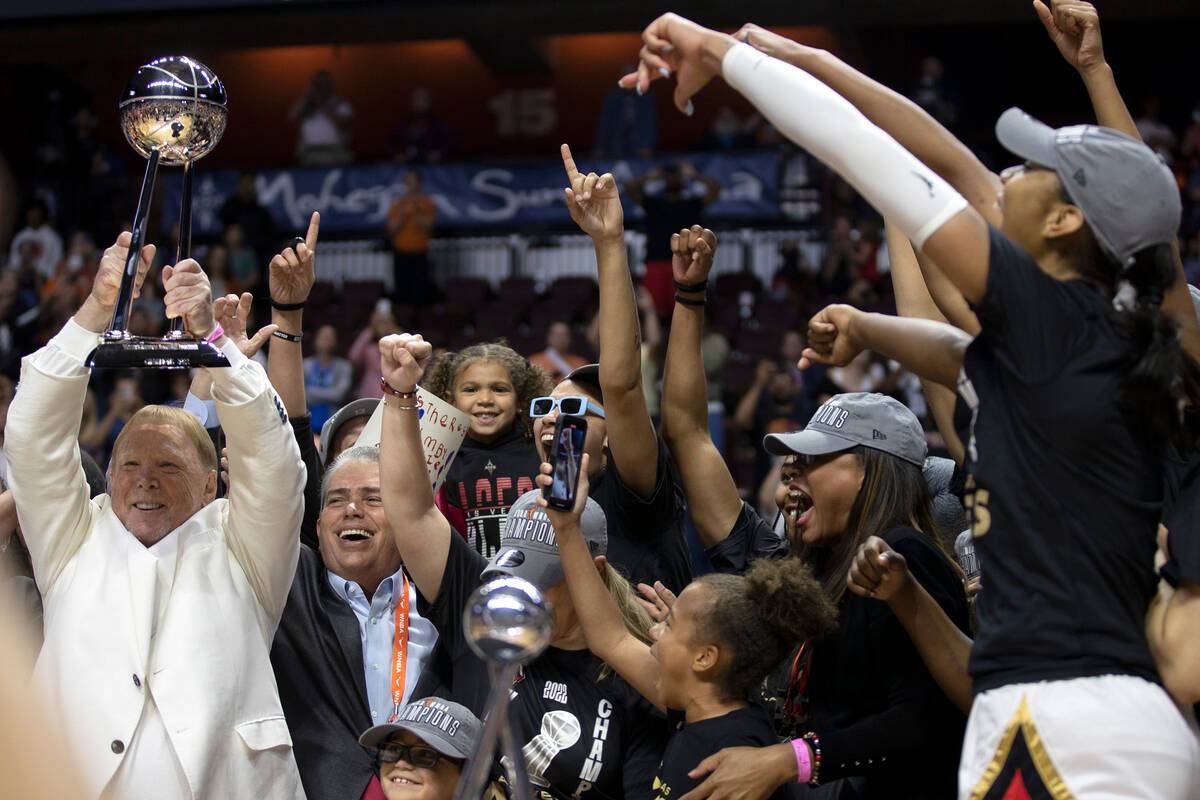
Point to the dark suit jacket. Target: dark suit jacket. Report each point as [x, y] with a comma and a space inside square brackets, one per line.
[317, 656]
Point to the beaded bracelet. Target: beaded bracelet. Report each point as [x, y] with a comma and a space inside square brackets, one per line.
[815, 742]
[394, 392]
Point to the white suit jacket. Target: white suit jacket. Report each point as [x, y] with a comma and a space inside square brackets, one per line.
[207, 665]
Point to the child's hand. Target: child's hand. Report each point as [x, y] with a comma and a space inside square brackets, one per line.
[565, 522]
[692, 252]
[593, 201]
[403, 358]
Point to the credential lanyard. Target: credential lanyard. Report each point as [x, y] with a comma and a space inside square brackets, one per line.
[400, 648]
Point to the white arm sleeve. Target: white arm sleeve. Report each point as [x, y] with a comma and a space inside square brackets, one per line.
[820, 120]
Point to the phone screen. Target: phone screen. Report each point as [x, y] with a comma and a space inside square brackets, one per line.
[568, 452]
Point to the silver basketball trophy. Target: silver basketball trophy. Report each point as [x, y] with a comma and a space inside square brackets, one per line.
[172, 112]
[507, 623]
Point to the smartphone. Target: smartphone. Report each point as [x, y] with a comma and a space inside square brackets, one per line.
[569, 435]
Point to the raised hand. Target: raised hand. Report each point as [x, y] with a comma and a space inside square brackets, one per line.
[292, 271]
[656, 599]
[831, 337]
[877, 570]
[593, 201]
[188, 295]
[98, 309]
[231, 312]
[692, 251]
[673, 45]
[403, 358]
[1074, 27]
[767, 41]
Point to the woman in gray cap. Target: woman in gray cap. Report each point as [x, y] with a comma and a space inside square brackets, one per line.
[1075, 383]
[420, 754]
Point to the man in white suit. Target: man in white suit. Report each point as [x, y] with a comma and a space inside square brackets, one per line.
[160, 601]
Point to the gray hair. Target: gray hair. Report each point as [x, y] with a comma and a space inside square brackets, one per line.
[356, 453]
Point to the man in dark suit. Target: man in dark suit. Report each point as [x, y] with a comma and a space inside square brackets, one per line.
[351, 648]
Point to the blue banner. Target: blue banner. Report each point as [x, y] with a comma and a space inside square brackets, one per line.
[358, 197]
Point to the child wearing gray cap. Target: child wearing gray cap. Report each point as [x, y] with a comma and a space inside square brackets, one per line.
[420, 754]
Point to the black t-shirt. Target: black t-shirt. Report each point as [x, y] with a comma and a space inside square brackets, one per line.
[1065, 498]
[666, 216]
[868, 696]
[1182, 518]
[485, 479]
[585, 736]
[750, 538]
[645, 536]
[690, 744]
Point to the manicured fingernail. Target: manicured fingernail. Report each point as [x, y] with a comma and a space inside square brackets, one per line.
[664, 72]
[640, 90]
[690, 109]
[746, 37]
[667, 48]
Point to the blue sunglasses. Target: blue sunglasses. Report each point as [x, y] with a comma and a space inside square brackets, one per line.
[575, 405]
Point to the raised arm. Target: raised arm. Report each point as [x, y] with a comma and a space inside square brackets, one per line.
[40, 443]
[291, 275]
[606, 634]
[931, 350]
[712, 494]
[913, 291]
[913, 127]
[422, 534]
[594, 205]
[881, 573]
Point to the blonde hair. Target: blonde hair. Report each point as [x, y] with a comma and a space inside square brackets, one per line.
[636, 618]
[177, 418]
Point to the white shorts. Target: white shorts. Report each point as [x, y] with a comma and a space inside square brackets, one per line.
[1102, 738]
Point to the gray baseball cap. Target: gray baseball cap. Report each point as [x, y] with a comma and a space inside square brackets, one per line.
[847, 420]
[528, 547]
[1128, 196]
[362, 407]
[446, 726]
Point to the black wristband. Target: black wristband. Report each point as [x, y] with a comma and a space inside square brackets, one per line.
[290, 337]
[690, 287]
[688, 301]
[287, 306]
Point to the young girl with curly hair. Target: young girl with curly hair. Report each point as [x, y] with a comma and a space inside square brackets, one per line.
[498, 460]
[721, 637]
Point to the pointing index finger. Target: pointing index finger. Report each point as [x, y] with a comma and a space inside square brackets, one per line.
[569, 163]
[314, 226]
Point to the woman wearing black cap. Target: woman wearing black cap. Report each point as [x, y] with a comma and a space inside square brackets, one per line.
[1074, 386]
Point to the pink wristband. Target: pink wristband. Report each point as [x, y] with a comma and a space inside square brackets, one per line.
[217, 333]
[803, 760]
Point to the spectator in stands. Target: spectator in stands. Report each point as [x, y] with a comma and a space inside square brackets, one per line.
[557, 359]
[726, 132]
[628, 125]
[243, 261]
[242, 208]
[422, 137]
[173, 596]
[426, 747]
[775, 403]
[327, 376]
[410, 226]
[325, 121]
[676, 204]
[82, 254]
[47, 246]
[929, 92]
[364, 352]
[18, 324]
[1157, 134]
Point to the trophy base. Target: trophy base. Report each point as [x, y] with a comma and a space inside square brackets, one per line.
[136, 352]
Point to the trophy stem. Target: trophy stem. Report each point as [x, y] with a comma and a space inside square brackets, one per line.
[518, 775]
[475, 776]
[185, 233]
[125, 294]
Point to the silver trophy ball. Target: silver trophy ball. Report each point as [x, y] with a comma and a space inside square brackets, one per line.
[174, 105]
[508, 621]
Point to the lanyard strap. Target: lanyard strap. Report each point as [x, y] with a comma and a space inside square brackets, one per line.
[400, 648]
